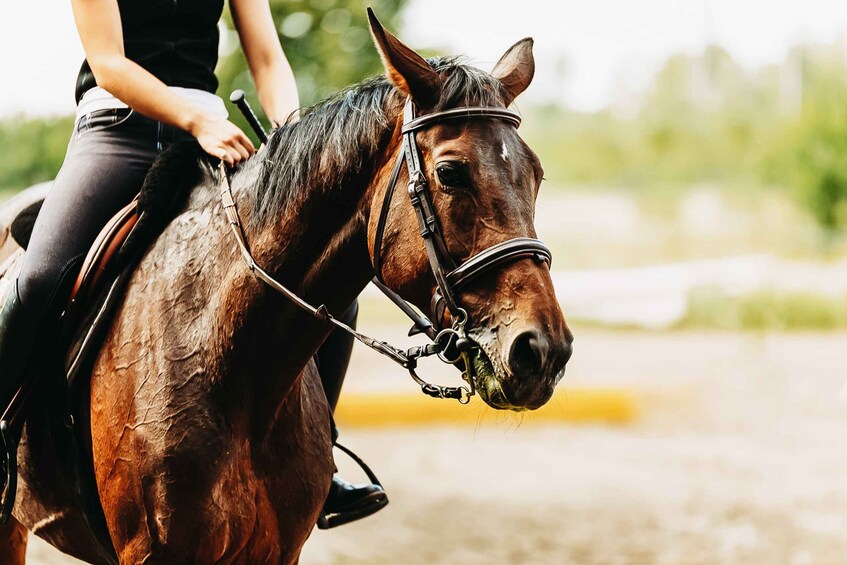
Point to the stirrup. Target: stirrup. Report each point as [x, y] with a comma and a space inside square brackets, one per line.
[372, 504]
[10, 462]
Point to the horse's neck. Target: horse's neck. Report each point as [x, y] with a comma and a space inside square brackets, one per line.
[319, 251]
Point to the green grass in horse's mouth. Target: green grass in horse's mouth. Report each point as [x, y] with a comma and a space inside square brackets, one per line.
[485, 375]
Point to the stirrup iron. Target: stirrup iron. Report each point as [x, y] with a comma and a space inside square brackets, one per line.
[328, 521]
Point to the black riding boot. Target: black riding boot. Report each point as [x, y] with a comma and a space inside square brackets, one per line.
[346, 502]
[18, 330]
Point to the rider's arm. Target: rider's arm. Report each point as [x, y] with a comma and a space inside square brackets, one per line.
[99, 25]
[268, 64]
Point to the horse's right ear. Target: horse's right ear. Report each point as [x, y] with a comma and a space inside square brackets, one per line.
[405, 68]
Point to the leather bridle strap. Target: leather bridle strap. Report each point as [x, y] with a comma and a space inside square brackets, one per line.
[465, 113]
[421, 199]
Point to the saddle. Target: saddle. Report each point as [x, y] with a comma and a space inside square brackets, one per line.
[97, 291]
[101, 255]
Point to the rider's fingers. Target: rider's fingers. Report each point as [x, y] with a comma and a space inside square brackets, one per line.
[246, 143]
[235, 155]
[242, 151]
[226, 157]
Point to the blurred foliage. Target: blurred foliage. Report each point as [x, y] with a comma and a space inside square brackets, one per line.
[707, 119]
[810, 152]
[32, 150]
[704, 119]
[327, 42]
[765, 310]
[711, 308]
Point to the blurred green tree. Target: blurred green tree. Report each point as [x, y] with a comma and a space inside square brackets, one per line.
[811, 154]
[328, 43]
[32, 150]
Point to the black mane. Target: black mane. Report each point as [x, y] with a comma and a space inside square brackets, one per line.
[338, 138]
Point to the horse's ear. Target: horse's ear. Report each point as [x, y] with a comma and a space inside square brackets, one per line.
[405, 68]
[516, 67]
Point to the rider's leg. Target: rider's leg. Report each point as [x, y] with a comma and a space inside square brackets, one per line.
[102, 172]
[334, 356]
[104, 168]
[346, 502]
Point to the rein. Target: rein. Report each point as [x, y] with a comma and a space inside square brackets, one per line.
[452, 344]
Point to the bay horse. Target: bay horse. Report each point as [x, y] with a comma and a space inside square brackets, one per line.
[210, 429]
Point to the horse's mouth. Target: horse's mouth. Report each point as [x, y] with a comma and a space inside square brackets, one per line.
[488, 373]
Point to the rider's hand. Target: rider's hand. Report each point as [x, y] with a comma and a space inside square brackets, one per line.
[222, 139]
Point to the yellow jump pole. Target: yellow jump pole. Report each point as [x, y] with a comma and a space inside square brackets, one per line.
[583, 405]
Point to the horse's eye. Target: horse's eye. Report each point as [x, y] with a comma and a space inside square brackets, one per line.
[453, 174]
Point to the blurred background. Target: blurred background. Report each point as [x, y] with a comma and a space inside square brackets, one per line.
[696, 204]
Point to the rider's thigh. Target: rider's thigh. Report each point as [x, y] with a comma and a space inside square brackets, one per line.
[103, 171]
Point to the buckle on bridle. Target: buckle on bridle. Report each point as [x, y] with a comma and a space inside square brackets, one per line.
[416, 180]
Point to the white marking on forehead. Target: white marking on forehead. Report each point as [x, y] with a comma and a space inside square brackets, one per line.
[505, 153]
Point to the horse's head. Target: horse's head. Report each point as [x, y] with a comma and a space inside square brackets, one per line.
[483, 181]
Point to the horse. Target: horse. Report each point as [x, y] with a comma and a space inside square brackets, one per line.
[210, 431]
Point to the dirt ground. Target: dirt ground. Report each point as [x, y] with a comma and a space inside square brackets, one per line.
[739, 457]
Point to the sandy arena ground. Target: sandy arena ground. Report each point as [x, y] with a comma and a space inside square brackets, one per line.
[739, 457]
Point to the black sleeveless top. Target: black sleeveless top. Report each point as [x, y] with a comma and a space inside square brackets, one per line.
[176, 40]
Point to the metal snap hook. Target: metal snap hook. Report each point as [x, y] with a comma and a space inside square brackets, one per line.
[464, 395]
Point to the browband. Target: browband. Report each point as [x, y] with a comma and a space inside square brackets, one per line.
[463, 113]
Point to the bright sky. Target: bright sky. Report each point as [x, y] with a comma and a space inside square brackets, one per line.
[589, 53]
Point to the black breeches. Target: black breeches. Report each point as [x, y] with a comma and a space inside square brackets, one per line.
[107, 159]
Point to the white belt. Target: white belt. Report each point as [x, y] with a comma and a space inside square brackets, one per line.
[101, 99]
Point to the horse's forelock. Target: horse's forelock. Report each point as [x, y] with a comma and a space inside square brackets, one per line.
[465, 85]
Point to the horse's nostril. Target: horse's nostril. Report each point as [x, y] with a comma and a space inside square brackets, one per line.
[529, 353]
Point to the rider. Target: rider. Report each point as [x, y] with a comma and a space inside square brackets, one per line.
[148, 80]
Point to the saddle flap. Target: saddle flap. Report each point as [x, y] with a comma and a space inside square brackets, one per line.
[104, 249]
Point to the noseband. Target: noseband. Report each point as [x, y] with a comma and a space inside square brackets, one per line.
[451, 344]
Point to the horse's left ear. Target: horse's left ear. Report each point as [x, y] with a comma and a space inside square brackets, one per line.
[516, 68]
[405, 68]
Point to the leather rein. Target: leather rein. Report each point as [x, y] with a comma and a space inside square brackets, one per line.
[451, 344]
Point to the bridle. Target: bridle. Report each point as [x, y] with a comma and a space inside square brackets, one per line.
[448, 276]
[451, 344]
